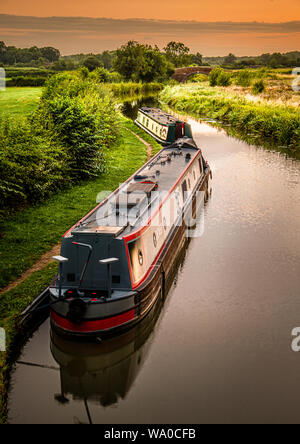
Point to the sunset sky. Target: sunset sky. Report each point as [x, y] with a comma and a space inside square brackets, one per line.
[217, 28]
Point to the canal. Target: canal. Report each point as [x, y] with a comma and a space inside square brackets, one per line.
[219, 349]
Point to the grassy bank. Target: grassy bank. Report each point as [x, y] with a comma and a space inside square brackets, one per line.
[19, 101]
[261, 120]
[34, 231]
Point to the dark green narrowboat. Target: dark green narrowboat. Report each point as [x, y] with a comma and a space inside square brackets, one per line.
[164, 127]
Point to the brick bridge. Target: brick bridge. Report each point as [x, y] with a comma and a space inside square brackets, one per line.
[182, 74]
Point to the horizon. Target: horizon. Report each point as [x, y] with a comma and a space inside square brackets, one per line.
[82, 34]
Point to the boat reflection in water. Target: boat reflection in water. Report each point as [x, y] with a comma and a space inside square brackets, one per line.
[103, 373]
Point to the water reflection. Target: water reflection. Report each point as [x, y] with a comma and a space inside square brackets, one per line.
[131, 105]
[103, 373]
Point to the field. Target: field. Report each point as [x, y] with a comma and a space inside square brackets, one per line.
[19, 101]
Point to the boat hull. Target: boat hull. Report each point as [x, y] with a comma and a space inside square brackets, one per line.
[139, 302]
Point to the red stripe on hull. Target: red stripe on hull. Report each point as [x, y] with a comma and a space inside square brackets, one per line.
[93, 326]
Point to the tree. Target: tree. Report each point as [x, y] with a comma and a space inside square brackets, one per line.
[51, 54]
[107, 58]
[197, 59]
[230, 59]
[178, 54]
[92, 63]
[136, 62]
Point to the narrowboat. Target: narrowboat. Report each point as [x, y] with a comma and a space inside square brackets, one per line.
[163, 127]
[115, 262]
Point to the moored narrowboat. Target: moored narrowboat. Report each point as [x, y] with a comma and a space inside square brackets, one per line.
[163, 127]
[115, 261]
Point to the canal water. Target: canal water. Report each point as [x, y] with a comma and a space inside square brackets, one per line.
[219, 349]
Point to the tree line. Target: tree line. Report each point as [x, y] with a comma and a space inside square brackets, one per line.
[10, 55]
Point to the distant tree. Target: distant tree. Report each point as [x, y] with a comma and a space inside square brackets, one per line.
[230, 59]
[107, 59]
[136, 62]
[197, 59]
[92, 63]
[178, 54]
[60, 65]
[51, 54]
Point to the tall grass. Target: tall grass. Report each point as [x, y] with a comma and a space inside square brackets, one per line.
[277, 124]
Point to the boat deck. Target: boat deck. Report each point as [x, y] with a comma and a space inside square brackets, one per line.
[130, 206]
[159, 116]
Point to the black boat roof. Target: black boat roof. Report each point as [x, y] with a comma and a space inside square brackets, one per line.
[160, 173]
[160, 116]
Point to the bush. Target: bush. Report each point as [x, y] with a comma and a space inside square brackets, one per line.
[197, 78]
[258, 87]
[77, 130]
[244, 78]
[26, 72]
[32, 166]
[62, 143]
[219, 77]
[26, 81]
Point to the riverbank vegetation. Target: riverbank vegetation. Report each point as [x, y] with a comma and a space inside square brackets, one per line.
[264, 119]
[61, 143]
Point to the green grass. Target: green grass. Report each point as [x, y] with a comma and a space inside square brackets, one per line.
[19, 101]
[262, 121]
[156, 147]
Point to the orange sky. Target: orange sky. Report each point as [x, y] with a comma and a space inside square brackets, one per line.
[201, 10]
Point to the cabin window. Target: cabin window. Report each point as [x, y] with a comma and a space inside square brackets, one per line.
[194, 175]
[144, 120]
[184, 191]
[147, 122]
[189, 182]
[141, 258]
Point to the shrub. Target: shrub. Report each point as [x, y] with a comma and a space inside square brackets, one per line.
[258, 87]
[244, 78]
[198, 78]
[219, 77]
[26, 81]
[76, 128]
[32, 166]
[62, 143]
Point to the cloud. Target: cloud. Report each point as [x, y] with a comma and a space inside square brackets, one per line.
[76, 34]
